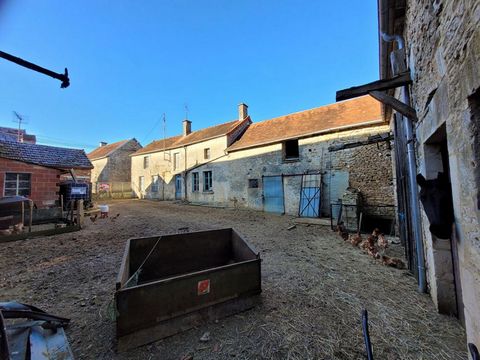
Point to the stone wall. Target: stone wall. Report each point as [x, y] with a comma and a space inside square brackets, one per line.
[443, 50]
[231, 174]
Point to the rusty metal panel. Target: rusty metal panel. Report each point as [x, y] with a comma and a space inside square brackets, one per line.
[184, 274]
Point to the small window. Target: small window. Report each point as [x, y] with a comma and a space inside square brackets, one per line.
[195, 182]
[253, 183]
[146, 160]
[207, 181]
[206, 153]
[176, 161]
[141, 183]
[17, 184]
[155, 184]
[290, 150]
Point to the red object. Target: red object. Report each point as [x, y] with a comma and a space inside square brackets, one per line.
[203, 287]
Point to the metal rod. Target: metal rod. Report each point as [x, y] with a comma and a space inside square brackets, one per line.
[62, 77]
[366, 335]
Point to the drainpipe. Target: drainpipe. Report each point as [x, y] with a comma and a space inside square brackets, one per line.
[185, 173]
[412, 174]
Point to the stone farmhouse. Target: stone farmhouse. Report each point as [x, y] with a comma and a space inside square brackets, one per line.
[284, 165]
[159, 169]
[112, 162]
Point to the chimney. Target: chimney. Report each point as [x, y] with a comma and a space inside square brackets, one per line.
[242, 111]
[102, 143]
[187, 127]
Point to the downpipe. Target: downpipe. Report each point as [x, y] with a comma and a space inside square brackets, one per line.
[412, 174]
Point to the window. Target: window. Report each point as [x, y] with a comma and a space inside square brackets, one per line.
[176, 161]
[17, 184]
[206, 153]
[146, 160]
[154, 187]
[252, 183]
[207, 181]
[195, 182]
[290, 150]
[141, 183]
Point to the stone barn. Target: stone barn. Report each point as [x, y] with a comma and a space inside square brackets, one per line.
[306, 164]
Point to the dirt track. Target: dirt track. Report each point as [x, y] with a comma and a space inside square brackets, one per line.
[314, 287]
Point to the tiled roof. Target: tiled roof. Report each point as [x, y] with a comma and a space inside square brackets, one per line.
[49, 156]
[11, 134]
[192, 138]
[157, 145]
[346, 114]
[103, 151]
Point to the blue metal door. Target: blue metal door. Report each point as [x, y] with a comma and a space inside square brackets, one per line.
[273, 194]
[310, 196]
[178, 187]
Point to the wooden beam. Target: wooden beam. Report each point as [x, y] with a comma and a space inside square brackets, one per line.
[384, 84]
[395, 104]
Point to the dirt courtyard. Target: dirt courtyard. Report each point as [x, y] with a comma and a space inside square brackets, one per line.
[314, 288]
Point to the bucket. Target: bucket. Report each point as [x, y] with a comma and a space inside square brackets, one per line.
[103, 211]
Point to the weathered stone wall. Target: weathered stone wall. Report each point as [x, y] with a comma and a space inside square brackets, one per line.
[161, 164]
[117, 166]
[368, 167]
[443, 49]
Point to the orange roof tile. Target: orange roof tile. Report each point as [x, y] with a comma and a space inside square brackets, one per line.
[345, 114]
[192, 138]
[103, 151]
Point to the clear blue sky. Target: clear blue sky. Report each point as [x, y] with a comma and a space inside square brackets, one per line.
[132, 61]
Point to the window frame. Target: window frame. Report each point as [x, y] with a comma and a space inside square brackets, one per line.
[208, 181]
[155, 184]
[176, 160]
[287, 158]
[146, 161]
[195, 181]
[206, 154]
[17, 184]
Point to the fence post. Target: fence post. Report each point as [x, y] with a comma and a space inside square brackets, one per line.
[80, 213]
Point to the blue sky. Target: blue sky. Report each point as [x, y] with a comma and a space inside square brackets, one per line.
[132, 61]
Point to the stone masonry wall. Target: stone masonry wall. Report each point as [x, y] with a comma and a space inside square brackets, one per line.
[443, 49]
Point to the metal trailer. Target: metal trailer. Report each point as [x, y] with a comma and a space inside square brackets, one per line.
[168, 284]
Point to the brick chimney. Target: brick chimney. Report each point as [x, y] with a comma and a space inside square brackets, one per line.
[242, 111]
[187, 127]
[102, 143]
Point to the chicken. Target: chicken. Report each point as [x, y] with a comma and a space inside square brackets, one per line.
[368, 243]
[393, 262]
[18, 228]
[355, 239]
[340, 228]
[93, 218]
[376, 232]
[115, 217]
[382, 242]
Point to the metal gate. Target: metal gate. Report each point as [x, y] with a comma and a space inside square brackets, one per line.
[310, 195]
[273, 194]
[178, 187]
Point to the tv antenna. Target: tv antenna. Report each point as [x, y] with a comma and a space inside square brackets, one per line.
[186, 111]
[19, 119]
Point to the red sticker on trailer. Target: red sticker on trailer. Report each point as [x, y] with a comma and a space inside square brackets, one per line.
[203, 287]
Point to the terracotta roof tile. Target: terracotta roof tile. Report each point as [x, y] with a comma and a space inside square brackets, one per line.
[157, 145]
[192, 138]
[343, 114]
[103, 151]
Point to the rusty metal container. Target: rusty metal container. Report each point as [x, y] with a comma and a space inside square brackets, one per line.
[172, 283]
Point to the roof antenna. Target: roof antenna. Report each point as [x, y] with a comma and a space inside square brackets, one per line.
[186, 111]
[19, 119]
[164, 132]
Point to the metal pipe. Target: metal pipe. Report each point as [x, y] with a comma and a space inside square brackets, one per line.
[412, 176]
[62, 77]
[412, 179]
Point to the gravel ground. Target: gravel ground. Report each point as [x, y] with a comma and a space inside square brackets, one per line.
[314, 288]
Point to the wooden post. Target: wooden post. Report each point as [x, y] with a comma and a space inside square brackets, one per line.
[80, 213]
[23, 213]
[31, 216]
[72, 206]
[61, 204]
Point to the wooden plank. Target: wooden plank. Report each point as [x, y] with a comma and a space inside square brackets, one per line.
[39, 233]
[384, 84]
[395, 104]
